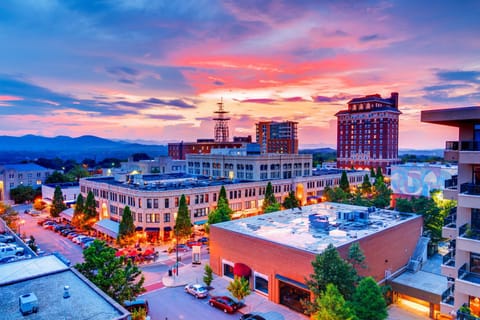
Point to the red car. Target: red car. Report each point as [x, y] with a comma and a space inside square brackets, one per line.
[224, 303]
[193, 243]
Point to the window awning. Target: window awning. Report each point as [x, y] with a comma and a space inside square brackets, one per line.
[138, 228]
[107, 226]
[241, 270]
[292, 282]
[152, 229]
[167, 228]
[198, 223]
[67, 214]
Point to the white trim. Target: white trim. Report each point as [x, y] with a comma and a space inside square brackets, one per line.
[263, 276]
[229, 263]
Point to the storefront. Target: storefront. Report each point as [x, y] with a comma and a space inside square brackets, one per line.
[292, 293]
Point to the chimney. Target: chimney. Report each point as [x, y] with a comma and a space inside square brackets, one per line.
[394, 99]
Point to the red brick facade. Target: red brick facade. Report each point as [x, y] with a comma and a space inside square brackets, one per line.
[386, 250]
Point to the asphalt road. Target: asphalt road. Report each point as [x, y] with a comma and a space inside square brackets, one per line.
[174, 303]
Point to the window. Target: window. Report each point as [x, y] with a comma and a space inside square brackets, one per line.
[166, 217]
[140, 217]
[261, 283]
[167, 203]
[155, 203]
[148, 217]
[149, 204]
[157, 217]
[228, 269]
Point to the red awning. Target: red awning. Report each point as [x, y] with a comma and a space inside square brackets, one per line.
[241, 270]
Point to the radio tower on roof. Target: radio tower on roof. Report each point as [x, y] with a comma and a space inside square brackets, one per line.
[221, 123]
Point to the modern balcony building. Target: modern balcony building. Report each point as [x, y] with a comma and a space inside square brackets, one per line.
[462, 263]
[277, 137]
[367, 133]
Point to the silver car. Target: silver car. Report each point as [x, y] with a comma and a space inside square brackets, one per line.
[197, 290]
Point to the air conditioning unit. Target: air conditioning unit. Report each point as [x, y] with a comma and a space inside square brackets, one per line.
[28, 303]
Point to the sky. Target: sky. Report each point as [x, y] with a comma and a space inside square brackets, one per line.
[155, 70]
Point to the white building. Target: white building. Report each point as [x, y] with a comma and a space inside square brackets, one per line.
[70, 192]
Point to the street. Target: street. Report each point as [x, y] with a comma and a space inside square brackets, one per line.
[176, 304]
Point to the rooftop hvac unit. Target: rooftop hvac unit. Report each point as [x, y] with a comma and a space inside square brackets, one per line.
[28, 303]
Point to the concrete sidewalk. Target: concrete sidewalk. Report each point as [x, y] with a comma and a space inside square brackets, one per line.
[254, 302]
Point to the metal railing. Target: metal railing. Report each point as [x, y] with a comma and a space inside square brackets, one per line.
[451, 145]
[449, 259]
[470, 188]
[447, 296]
[462, 271]
[451, 183]
[466, 145]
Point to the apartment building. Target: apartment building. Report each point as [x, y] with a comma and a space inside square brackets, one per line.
[277, 137]
[367, 133]
[26, 174]
[462, 264]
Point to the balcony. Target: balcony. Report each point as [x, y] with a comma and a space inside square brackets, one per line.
[468, 239]
[448, 265]
[451, 151]
[449, 229]
[450, 190]
[469, 195]
[468, 282]
[468, 151]
[447, 302]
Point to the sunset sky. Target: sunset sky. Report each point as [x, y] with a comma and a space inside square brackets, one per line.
[154, 70]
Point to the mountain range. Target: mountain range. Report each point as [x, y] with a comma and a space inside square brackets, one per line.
[30, 147]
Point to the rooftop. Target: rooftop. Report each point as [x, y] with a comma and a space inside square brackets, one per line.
[24, 167]
[46, 277]
[451, 116]
[312, 228]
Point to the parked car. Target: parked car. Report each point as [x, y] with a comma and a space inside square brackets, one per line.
[72, 235]
[197, 290]
[42, 221]
[252, 316]
[6, 238]
[77, 239]
[192, 243]
[203, 240]
[11, 250]
[136, 304]
[224, 303]
[8, 259]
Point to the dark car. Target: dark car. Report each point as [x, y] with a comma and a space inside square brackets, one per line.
[252, 316]
[224, 303]
[193, 243]
[136, 304]
[203, 240]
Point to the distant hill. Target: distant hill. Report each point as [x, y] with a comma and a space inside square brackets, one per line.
[317, 150]
[30, 147]
[433, 152]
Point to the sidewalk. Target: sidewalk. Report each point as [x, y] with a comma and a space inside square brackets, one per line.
[254, 302]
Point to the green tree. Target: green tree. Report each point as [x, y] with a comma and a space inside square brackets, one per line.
[379, 174]
[77, 172]
[183, 225]
[291, 201]
[239, 288]
[335, 195]
[126, 228]
[329, 267]
[368, 302]
[222, 212]
[332, 306]
[56, 177]
[273, 207]
[372, 173]
[89, 211]
[57, 203]
[118, 277]
[208, 276]
[382, 194]
[78, 212]
[269, 198]
[344, 184]
[366, 186]
[22, 194]
[9, 215]
[356, 256]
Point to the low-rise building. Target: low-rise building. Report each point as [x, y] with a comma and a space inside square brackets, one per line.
[275, 251]
[26, 174]
[55, 290]
[70, 192]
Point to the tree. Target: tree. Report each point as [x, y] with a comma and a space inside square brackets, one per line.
[118, 277]
[379, 174]
[223, 211]
[366, 186]
[335, 195]
[9, 215]
[382, 194]
[269, 198]
[239, 288]
[57, 177]
[126, 228]
[208, 277]
[332, 306]
[329, 267]
[89, 211]
[372, 173]
[77, 172]
[344, 184]
[291, 201]
[22, 194]
[78, 212]
[140, 156]
[57, 203]
[356, 256]
[368, 302]
[273, 207]
[183, 225]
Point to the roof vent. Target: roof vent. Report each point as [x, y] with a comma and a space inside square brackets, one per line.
[28, 303]
[66, 292]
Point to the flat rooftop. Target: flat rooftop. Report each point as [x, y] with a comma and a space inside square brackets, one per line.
[452, 116]
[46, 278]
[312, 228]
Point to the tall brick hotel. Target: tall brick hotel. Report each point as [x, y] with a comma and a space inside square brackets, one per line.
[367, 133]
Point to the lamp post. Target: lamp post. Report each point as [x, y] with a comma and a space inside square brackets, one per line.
[20, 223]
[176, 238]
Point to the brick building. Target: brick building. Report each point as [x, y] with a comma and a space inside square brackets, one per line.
[367, 133]
[275, 251]
[277, 137]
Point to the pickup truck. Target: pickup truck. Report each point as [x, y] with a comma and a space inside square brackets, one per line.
[11, 250]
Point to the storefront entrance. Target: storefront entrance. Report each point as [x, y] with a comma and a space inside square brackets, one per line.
[292, 295]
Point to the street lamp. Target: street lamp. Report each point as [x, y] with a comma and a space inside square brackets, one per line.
[20, 223]
[176, 240]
